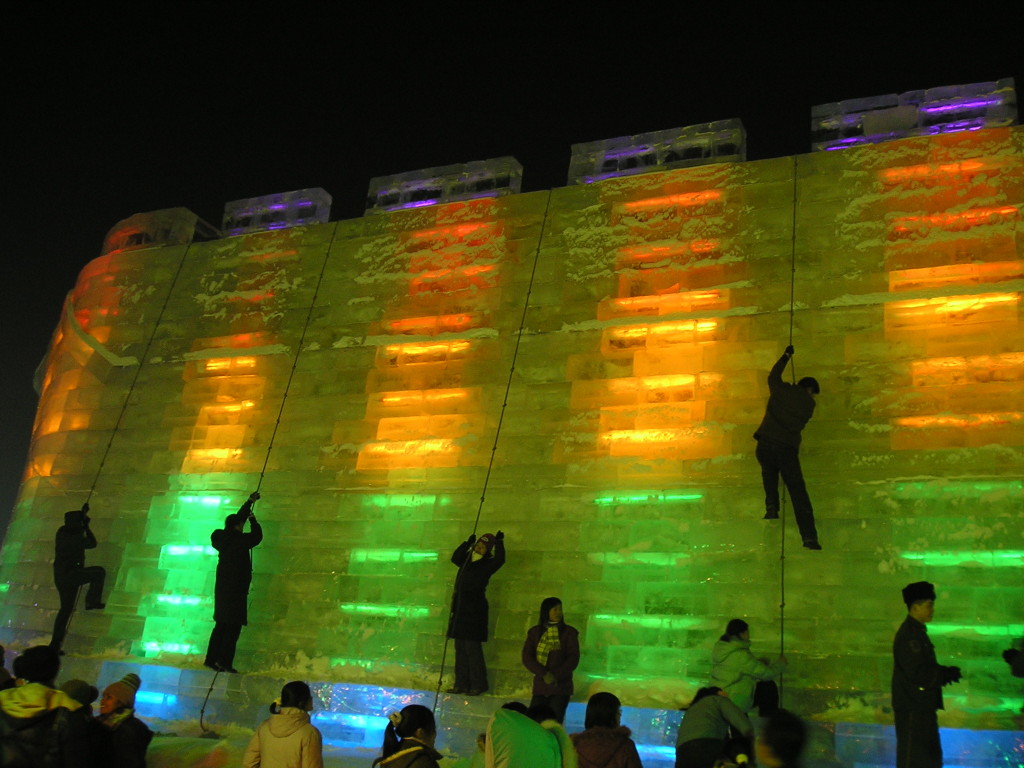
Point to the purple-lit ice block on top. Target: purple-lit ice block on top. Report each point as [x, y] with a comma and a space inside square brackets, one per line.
[723, 141]
[278, 211]
[445, 184]
[169, 226]
[946, 109]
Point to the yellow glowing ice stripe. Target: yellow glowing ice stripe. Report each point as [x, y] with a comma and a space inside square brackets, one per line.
[370, 609]
[1005, 558]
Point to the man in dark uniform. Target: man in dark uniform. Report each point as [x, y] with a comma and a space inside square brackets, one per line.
[234, 574]
[790, 407]
[70, 572]
[917, 680]
[477, 560]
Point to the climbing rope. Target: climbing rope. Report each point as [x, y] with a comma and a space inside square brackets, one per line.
[494, 446]
[783, 512]
[295, 361]
[138, 370]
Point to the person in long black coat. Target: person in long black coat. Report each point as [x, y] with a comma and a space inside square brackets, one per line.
[234, 574]
[70, 571]
[477, 560]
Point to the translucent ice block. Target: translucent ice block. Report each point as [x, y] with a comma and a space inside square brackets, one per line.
[277, 211]
[430, 186]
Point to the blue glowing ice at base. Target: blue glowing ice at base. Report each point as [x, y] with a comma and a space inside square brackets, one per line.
[862, 745]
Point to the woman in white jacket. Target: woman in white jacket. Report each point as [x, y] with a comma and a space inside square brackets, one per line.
[287, 739]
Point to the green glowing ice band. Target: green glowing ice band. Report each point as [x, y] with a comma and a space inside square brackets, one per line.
[179, 599]
[648, 620]
[1003, 558]
[391, 556]
[647, 497]
[390, 611]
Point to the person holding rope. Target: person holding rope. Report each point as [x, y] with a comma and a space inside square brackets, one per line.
[746, 679]
[70, 571]
[790, 407]
[234, 575]
[477, 560]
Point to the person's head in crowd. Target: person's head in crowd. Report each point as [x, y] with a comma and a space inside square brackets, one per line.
[82, 692]
[703, 693]
[604, 710]
[781, 741]
[38, 664]
[736, 629]
[551, 611]
[294, 694]
[516, 706]
[120, 695]
[415, 722]
[541, 712]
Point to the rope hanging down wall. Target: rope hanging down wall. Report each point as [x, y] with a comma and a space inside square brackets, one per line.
[497, 436]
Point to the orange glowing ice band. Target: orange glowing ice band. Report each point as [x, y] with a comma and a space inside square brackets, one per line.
[664, 381]
[643, 436]
[952, 365]
[411, 447]
[417, 396]
[214, 453]
[971, 217]
[667, 251]
[948, 304]
[911, 172]
[663, 329]
[227, 363]
[425, 348]
[960, 422]
[431, 323]
[655, 302]
[932, 277]
[686, 200]
[232, 408]
[459, 230]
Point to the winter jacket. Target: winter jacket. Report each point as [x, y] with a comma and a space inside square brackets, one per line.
[789, 409]
[711, 718]
[70, 543]
[469, 617]
[285, 740]
[410, 754]
[561, 661]
[917, 677]
[234, 570]
[516, 741]
[737, 671]
[599, 747]
[121, 746]
[41, 728]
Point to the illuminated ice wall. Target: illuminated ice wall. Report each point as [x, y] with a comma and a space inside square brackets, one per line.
[642, 314]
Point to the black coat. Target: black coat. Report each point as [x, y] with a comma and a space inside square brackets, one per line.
[53, 739]
[917, 677]
[70, 543]
[234, 570]
[789, 409]
[469, 615]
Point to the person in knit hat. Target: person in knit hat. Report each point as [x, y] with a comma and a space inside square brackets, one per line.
[477, 560]
[917, 681]
[121, 739]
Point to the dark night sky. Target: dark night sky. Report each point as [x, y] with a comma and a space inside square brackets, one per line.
[112, 118]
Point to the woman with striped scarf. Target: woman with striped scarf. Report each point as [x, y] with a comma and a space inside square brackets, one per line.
[552, 652]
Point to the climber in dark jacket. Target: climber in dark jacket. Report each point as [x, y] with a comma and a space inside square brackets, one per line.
[477, 560]
[70, 571]
[234, 574]
[790, 407]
